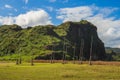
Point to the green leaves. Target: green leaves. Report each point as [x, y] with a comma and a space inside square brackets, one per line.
[38, 40]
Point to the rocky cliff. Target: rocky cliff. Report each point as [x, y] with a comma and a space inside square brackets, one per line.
[72, 38]
[81, 35]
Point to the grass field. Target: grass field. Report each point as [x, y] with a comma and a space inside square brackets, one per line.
[58, 71]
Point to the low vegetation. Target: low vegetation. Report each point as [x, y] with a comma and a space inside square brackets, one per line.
[58, 71]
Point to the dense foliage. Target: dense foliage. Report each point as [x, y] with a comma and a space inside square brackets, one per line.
[113, 54]
[42, 41]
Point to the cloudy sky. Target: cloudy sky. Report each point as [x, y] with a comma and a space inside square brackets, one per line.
[105, 14]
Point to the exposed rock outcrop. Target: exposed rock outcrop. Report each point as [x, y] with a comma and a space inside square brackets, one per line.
[80, 34]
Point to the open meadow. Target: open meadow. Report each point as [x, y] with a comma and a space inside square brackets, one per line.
[58, 71]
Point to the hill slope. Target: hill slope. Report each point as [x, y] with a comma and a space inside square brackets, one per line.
[113, 53]
[42, 41]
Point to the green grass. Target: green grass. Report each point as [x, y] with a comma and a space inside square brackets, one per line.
[57, 71]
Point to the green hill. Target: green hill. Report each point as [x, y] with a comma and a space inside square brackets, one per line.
[42, 41]
[113, 53]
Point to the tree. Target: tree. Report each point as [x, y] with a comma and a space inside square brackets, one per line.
[32, 61]
[74, 51]
[91, 47]
[81, 51]
[63, 50]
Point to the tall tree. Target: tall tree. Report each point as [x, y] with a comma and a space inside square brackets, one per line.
[63, 58]
[91, 48]
[32, 63]
[74, 51]
[81, 51]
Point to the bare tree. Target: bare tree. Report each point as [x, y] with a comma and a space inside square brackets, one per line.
[20, 60]
[81, 51]
[74, 51]
[17, 61]
[91, 47]
[32, 63]
[63, 58]
[52, 55]
[81, 46]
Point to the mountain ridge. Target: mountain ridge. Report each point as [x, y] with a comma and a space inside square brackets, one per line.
[39, 41]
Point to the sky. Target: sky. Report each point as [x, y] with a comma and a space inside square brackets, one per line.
[105, 14]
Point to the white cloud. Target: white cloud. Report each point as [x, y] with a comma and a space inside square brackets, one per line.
[108, 27]
[52, 0]
[31, 18]
[26, 1]
[107, 11]
[6, 20]
[74, 14]
[8, 6]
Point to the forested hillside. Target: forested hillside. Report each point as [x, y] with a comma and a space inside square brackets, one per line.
[74, 39]
[113, 53]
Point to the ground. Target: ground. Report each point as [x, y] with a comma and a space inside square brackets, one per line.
[58, 71]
